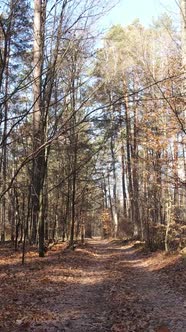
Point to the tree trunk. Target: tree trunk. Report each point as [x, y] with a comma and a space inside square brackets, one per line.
[39, 164]
[129, 166]
[115, 200]
[36, 114]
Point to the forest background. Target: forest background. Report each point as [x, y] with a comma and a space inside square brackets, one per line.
[92, 134]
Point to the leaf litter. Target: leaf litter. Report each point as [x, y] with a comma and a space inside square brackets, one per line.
[102, 286]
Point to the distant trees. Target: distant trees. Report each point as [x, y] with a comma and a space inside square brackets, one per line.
[15, 32]
[141, 86]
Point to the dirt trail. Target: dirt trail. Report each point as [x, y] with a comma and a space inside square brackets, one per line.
[113, 289]
[103, 287]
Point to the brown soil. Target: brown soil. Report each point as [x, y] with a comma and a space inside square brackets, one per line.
[102, 286]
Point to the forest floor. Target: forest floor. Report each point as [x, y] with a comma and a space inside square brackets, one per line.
[101, 286]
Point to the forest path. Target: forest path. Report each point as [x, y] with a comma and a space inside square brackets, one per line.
[103, 286]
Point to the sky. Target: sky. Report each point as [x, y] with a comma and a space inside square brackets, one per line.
[128, 10]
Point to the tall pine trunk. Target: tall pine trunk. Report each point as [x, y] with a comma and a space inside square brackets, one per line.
[38, 170]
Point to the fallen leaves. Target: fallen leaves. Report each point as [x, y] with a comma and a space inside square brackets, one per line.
[163, 329]
[101, 287]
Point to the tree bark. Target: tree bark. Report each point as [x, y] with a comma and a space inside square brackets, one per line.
[39, 124]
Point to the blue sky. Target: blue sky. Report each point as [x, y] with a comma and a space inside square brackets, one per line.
[127, 10]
